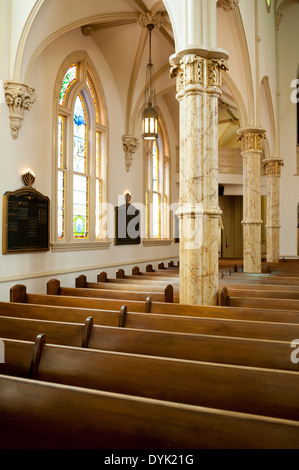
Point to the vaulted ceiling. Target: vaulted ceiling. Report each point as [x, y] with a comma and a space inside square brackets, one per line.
[122, 38]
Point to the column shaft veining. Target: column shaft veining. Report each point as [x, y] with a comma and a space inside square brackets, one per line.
[272, 173]
[198, 90]
[252, 152]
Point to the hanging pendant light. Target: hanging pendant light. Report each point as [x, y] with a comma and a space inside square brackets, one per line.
[150, 114]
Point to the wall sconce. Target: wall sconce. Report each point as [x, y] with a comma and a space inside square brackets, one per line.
[128, 197]
[28, 178]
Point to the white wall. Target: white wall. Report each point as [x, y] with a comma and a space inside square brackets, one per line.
[34, 149]
[289, 61]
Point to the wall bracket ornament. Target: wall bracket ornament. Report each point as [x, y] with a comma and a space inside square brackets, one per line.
[130, 145]
[228, 5]
[19, 98]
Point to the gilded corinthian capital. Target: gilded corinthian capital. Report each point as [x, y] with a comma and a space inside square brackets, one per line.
[252, 139]
[273, 167]
[19, 98]
[199, 74]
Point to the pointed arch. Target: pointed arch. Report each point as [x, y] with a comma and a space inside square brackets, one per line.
[270, 125]
[79, 155]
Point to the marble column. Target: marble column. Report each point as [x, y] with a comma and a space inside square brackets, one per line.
[272, 172]
[198, 90]
[252, 152]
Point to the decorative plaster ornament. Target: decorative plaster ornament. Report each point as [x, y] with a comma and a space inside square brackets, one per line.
[130, 145]
[19, 98]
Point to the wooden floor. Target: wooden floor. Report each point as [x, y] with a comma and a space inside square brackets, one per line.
[119, 363]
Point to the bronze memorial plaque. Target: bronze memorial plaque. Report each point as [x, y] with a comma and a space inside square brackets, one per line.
[25, 221]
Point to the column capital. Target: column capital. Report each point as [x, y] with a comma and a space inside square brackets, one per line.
[196, 73]
[19, 98]
[251, 139]
[273, 166]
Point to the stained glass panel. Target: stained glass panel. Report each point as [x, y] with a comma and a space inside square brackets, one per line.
[61, 205]
[80, 137]
[156, 216]
[147, 213]
[165, 217]
[155, 167]
[69, 78]
[93, 98]
[60, 142]
[80, 206]
[98, 209]
[98, 154]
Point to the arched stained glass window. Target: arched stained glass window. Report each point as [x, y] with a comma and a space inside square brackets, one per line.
[69, 78]
[157, 190]
[80, 159]
[80, 178]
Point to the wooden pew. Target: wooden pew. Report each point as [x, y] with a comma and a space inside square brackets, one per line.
[137, 278]
[149, 273]
[264, 392]
[211, 326]
[54, 288]
[229, 350]
[170, 292]
[77, 418]
[257, 302]
[277, 293]
[261, 279]
[19, 295]
[250, 286]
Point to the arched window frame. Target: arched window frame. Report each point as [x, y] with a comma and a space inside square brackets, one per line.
[96, 172]
[163, 192]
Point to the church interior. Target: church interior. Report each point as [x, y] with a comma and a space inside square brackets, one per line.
[149, 283]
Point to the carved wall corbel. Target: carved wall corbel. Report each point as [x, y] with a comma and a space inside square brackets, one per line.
[130, 145]
[228, 5]
[19, 98]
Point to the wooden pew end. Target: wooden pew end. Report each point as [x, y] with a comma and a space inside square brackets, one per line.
[120, 274]
[87, 332]
[224, 298]
[149, 268]
[169, 294]
[122, 316]
[81, 281]
[18, 293]
[53, 287]
[36, 355]
[148, 305]
[102, 277]
[136, 271]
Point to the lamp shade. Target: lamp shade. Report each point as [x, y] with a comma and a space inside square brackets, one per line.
[149, 114]
[149, 123]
